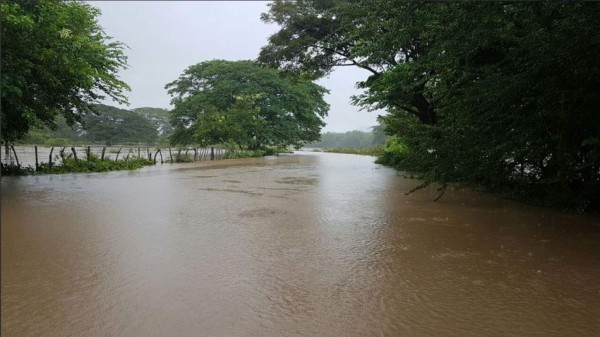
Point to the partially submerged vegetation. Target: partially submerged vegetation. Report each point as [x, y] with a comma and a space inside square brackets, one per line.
[371, 151]
[71, 165]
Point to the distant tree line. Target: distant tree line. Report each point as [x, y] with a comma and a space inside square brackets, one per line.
[107, 125]
[351, 139]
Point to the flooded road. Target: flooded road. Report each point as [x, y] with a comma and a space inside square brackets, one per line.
[311, 244]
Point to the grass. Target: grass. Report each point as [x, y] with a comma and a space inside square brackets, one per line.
[269, 151]
[371, 151]
[82, 165]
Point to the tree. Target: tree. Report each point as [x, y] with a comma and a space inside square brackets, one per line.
[381, 36]
[498, 94]
[112, 125]
[160, 118]
[56, 60]
[243, 103]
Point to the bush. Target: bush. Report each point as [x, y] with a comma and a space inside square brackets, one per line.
[394, 152]
[183, 158]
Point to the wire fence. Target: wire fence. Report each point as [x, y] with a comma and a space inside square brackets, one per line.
[32, 155]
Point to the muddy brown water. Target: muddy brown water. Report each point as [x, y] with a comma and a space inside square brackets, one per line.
[310, 244]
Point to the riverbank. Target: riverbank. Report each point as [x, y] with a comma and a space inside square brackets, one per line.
[371, 151]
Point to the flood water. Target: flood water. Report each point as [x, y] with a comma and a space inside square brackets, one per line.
[311, 244]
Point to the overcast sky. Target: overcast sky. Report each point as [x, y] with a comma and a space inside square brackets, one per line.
[166, 37]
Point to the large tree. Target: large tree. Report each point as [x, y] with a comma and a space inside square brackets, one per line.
[244, 103]
[499, 94]
[160, 118]
[56, 60]
[384, 37]
[111, 125]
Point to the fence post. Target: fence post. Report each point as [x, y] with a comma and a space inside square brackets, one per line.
[88, 153]
[36, 159]
[50, 157]
[74, 153]
[117, 158]
[138, 153]
[62, 155]
[171, 155]
[103, 151]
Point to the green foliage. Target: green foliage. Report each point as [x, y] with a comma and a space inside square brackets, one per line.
[112, 125]
[351, 139]
[82, 165]
[106, 125]
[394, 152]
[502, 95]
[267, 151]
[56, 60]
[240, 102]
[183, 158]
[160, 118]
[371, 151]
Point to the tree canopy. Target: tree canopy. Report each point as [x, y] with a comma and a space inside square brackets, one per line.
[106, 125]
[160, 118]
[112, 125]
[499, 94]
[246, 104]
[56, 60]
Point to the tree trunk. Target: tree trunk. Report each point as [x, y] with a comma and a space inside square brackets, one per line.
[15, 153]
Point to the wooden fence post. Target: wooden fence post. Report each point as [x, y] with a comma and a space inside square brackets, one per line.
[50, 157]
[117, 158]
[36, 159]
[171, 155]
[88, 153]
[138, 153]
[74, 153]
[103, 151]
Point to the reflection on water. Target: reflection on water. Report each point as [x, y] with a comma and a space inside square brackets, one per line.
[302, 245]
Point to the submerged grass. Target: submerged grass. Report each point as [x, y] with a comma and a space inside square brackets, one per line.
[84, 165]
[269, 151]
[371, 151]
